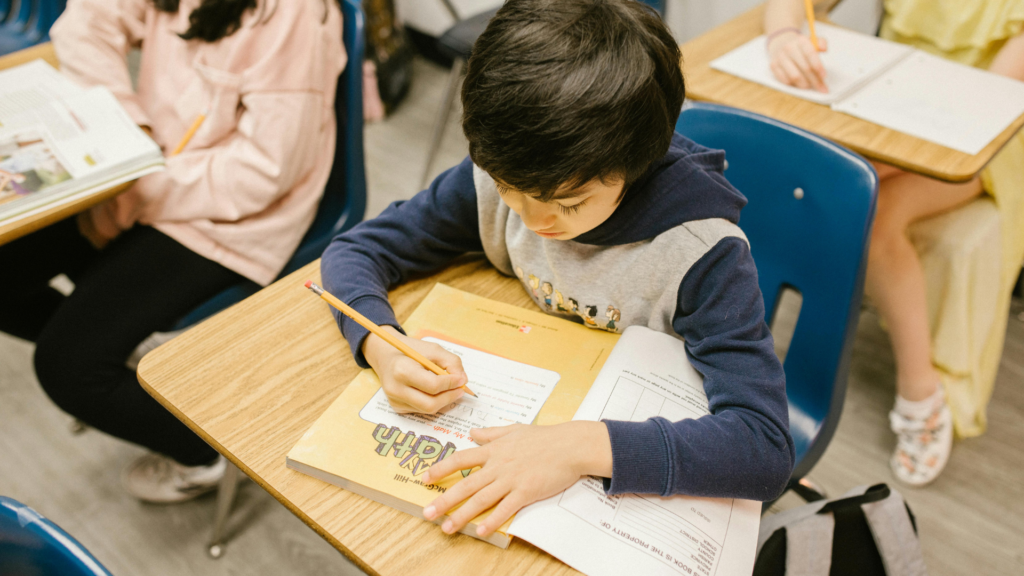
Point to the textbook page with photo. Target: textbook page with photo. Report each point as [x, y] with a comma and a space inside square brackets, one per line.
[897, 86]
[59, 141]
[531, 367]
[647, 375]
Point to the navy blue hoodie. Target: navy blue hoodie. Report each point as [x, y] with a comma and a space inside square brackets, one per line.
[670, 257]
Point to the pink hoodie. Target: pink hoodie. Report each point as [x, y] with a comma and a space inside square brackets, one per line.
[246, 188]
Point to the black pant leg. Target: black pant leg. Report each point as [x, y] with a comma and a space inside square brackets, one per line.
[26, 266]
[143, 282]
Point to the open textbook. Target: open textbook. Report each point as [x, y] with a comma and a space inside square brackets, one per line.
[58, 141]
[897, 86]
[530, 367]
[646, 375]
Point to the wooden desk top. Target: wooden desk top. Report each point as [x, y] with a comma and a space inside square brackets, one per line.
[871, 140]
[20, 226]
[254, 378]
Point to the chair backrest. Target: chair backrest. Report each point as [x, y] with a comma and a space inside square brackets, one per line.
[344, 202]
[5, 9]
[19, 18]
[811, 205]
[46, 14]
[31, 544]
[658, 5]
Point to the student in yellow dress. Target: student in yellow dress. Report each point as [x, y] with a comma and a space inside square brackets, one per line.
[985, 34]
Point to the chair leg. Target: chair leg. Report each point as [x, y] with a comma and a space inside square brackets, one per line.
[225, 499]
[442, 118]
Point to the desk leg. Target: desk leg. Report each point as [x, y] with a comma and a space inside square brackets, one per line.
[225, 499]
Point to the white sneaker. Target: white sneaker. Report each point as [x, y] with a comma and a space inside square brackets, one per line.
[922, 445]
[158, 479]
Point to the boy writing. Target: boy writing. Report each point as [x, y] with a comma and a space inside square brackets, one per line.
[575, 176]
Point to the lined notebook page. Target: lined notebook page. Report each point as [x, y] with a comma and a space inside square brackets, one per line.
[852, 60]
[957, 106]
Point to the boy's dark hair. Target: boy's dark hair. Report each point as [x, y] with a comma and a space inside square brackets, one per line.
[565, 91]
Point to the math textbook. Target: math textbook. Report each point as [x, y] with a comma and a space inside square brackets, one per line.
[525, 366]
[530, 367]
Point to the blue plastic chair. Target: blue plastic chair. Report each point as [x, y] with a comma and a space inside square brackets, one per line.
[5, 9]
[658, 5]
[811, 206]
[31, 544]
[30, 25]
[344, 201]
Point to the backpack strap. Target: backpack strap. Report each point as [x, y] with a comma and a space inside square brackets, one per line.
[894, 535]
[809, 546]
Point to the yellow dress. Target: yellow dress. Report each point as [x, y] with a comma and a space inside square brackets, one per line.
[971, 271]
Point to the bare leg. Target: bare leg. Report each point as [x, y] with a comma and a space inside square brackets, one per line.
[895, 279]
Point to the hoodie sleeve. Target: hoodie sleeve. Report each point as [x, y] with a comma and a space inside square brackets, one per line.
[743, 448]
[409, 237]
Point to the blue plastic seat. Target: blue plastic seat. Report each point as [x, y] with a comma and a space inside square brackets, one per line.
[31, 544]
[344, 201]
[809, 219]
[29, 25]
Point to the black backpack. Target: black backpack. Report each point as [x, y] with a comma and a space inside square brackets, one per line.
[866, 532]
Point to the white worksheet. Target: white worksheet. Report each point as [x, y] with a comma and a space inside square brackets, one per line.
[646, 375]
[508, 392]
[897, 86]
[852, 60]
[951, 104]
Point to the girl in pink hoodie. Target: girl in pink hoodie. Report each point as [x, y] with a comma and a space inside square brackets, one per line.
[234, 204]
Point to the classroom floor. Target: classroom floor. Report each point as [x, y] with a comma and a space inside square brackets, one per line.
[971, 519]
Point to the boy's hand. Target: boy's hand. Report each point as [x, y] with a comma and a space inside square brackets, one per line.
[521, 464]
[795, 62]
[409, 386]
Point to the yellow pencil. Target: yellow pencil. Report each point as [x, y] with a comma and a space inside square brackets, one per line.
[188, 135]
[809, 5]
[387, 336]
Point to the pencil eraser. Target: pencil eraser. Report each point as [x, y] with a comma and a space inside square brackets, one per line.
[309, 283]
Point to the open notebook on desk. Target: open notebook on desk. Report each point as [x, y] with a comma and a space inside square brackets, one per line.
[531, 367]
[897, 86]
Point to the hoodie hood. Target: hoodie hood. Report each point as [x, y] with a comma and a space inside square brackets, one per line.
[686, 184]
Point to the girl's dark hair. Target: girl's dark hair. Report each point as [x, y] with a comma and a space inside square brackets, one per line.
[213, 19]
[560, 92]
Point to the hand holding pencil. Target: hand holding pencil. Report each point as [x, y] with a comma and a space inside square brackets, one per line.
[793, 56]
[400, 361]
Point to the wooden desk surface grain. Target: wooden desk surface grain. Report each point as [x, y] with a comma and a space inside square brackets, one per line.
[254, 378]
[20, 226]
[869, 139]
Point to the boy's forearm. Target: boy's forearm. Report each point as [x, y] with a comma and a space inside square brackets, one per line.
[595, 454]
[374, 347]
[411, 237]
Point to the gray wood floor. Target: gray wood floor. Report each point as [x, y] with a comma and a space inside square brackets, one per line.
[971, 520]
